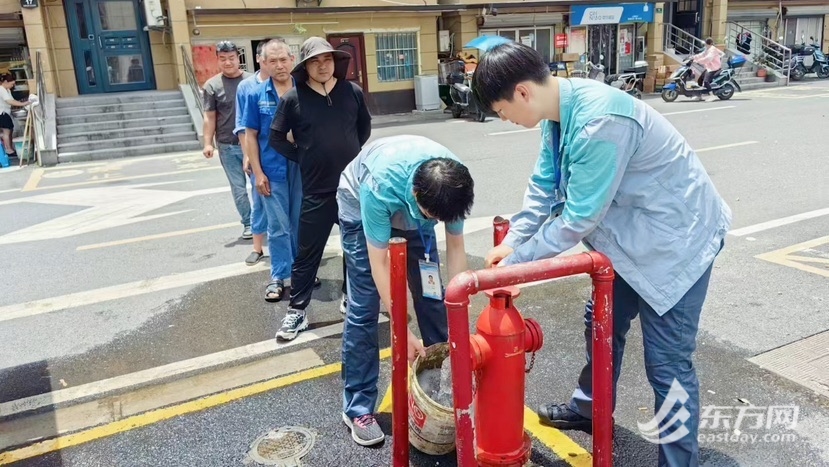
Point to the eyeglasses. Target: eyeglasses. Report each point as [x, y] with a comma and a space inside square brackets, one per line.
[226, 46]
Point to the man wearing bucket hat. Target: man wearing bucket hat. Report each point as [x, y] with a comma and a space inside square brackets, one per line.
[329, 120]
[399, 186]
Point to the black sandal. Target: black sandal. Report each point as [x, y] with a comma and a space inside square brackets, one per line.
[317, 283]
[274, 291]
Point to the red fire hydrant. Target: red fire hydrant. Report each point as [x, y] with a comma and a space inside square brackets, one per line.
[498, 350]
[495, 354]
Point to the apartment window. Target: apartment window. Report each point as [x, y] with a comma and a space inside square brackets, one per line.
[539, 39]
[243, 58]
[396, 56]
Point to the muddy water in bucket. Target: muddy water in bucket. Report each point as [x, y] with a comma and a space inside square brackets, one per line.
[431, 418]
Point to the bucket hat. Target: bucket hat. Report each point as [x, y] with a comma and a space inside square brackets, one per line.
[317, 46]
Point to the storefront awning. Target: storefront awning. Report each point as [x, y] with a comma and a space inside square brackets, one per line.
[623, 13]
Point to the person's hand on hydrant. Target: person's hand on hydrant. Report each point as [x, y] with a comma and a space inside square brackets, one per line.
[496, 254]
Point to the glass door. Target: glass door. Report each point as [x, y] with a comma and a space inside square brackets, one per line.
[110, 49]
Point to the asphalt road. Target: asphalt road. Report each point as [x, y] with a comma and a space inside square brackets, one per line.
[127, 265]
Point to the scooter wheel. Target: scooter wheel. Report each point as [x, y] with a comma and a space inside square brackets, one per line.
[669, 95]
[726, 92]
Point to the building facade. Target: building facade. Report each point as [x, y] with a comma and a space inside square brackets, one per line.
[104, 46]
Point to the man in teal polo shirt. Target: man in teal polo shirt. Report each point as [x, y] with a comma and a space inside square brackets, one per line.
[615, 175]
[399, 186]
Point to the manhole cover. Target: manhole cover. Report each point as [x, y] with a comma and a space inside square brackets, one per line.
[283, 447]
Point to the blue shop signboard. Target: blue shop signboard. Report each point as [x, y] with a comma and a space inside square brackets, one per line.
[622, 13]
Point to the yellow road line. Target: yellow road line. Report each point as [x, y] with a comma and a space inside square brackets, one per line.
[119, 179]
[34, 180]
[155, 416]
[175, 233]
[564, 447]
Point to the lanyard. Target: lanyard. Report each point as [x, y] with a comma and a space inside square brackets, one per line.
[556, 159]
[427, 246]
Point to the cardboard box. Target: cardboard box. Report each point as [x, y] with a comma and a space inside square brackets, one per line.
[649, 85]
[568, 57]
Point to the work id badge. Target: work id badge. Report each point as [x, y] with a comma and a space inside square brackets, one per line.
[430, 278]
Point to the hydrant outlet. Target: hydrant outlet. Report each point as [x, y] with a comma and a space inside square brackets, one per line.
[533, 337]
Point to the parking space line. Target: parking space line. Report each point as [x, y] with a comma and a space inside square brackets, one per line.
[726, 146]
[159, 415]
[707, 109]
[34, 180]
[751, 229]
[175, 233]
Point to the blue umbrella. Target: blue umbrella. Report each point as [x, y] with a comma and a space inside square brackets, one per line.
[485, 43]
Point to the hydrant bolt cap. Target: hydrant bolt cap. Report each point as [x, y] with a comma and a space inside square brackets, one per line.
[510, 290]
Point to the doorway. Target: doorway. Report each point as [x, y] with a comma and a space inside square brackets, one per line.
[110, 49]
[601, 45]
[354, 44]
[686, 16]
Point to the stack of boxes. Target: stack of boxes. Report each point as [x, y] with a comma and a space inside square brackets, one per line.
[658, 73]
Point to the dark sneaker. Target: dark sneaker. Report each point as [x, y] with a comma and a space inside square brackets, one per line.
[293, 323]
[364, 430]
[247, 234]
[254, 258]
[560, 416]
[344, 304]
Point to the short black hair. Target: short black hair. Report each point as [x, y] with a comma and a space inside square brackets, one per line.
[501, 68]
[444, 188]
[709, 41]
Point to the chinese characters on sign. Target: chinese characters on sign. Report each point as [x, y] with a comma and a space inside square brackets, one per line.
[561, 41]
[726, 424]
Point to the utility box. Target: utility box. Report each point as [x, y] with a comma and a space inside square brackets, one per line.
[443, 41]
[427, 95]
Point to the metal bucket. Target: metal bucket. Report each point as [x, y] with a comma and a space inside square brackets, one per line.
[431, 425]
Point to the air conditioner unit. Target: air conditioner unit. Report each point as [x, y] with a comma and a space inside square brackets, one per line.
[153, 13]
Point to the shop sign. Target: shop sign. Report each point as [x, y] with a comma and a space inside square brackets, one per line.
[561, 41]
[29, 3]
[585, 15]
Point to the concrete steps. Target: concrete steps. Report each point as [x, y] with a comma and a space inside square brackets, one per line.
[124, 125]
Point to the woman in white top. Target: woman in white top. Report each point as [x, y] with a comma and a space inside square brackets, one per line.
[6, 120]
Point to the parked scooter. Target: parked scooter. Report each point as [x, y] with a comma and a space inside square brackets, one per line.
[461, 96]
[631, 81]
[723, 85]
[808, 59]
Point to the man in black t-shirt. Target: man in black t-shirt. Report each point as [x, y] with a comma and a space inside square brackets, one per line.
[329, 120]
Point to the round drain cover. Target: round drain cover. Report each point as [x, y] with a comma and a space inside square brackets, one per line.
[283, 447]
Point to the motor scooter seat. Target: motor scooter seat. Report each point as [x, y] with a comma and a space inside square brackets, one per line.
[461, 87]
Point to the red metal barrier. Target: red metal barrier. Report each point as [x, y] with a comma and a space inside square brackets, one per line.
[466, 284]
[399, 352]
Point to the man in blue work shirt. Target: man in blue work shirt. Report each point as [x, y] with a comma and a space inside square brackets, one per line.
[399, 186]
[258, 223]
[277, 179]
[616, 175]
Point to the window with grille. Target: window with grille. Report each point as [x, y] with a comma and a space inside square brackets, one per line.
[243, 58]
[396, 56]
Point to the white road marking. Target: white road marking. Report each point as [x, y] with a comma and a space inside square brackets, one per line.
[9, 191]
[772, 224]
[130, 289]
[176, 233]
[509, 132]
[180, 368]
[726, 146]
[108, 207]
[707, 109]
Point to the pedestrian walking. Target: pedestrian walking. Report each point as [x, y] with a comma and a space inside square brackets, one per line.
[615, 175]
[399, 186]
[219, 122]
[330, 122]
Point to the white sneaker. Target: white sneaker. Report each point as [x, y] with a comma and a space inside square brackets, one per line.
[344, 304]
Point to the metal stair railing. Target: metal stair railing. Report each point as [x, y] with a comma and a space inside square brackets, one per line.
[682, 42]
[762, 51]
[190, 75]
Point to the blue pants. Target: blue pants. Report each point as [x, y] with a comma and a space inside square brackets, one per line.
[258, 220]
[230, 155]
[282, 209]
[361, 351]
[670, 341]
